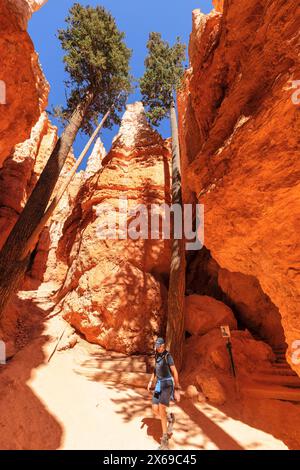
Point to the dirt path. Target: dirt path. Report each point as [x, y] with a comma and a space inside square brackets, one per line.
[97, 416]
[50, 406]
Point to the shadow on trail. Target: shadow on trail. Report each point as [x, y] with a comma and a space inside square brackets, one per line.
[192, 428]
[25, 421]
[153, 428]
[216, 434]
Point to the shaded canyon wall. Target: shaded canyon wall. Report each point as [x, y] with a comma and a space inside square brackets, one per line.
[239, 131]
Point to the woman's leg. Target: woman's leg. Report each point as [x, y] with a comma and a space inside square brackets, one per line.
[163, 417]
[163, 407]
[155, 409]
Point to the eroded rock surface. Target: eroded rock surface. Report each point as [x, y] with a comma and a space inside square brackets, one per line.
[239, 135]
[114, 292]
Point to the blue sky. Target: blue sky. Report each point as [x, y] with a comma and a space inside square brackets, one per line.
[135, 17]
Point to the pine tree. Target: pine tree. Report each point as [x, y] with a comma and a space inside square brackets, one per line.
[162, 78]
[97, 62]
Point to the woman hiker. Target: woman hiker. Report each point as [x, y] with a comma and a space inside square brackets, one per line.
[166, 389]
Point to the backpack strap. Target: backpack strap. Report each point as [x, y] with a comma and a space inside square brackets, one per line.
[166, 355]
[154, 370]
[165, 358]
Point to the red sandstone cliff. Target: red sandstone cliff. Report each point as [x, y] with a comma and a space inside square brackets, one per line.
[239, 136]
[27, 139]
[26, 135]
[114, 291]
[18, 176]
[20, 171]
[239, 141]
[20, 72]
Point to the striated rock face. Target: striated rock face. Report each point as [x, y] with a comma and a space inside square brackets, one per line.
[18, 177]
[94, 163]
[239, 136]
[24, 9]
[24, 90]
[20, 172]
[45, 272]
[114, 290]
[46, 268]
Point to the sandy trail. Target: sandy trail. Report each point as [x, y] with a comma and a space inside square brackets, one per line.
[98, 416]
[50, 406]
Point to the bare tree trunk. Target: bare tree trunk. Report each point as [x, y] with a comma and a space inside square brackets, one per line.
[33, 239]
[175, 321]
[12, 266]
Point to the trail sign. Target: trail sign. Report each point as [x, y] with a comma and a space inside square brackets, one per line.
[225, 330]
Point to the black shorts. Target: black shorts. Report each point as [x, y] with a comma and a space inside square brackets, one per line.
[165, 395]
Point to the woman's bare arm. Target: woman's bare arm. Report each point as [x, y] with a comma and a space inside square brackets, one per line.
[175, 375]
[151, 381]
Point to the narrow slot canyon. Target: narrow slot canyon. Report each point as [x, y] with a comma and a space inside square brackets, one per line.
[79, 332]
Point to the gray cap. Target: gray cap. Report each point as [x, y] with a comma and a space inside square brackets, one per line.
[159, 342]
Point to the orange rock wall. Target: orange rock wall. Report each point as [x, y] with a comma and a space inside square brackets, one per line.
[241, 147]
[26, 88]
[114, 291]
[20, 171]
